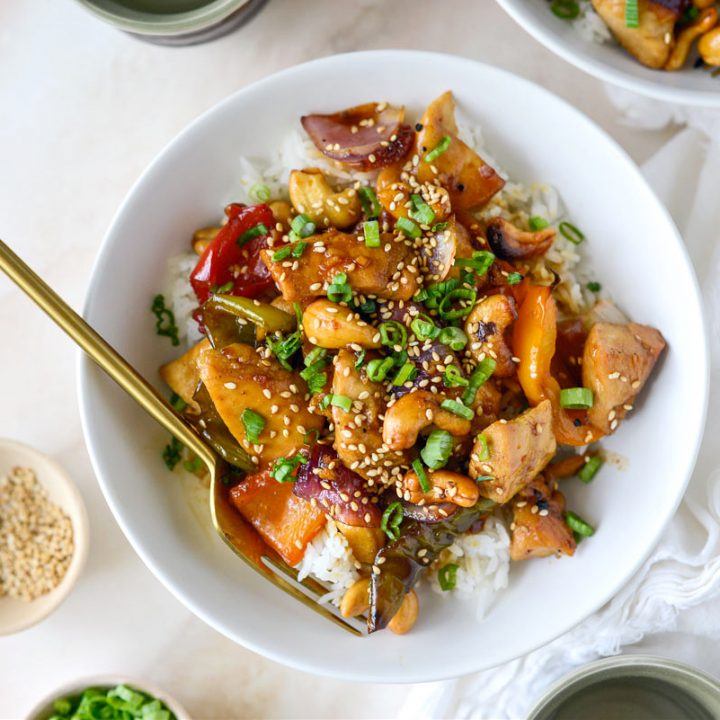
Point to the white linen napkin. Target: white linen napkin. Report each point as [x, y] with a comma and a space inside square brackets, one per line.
[676, 586]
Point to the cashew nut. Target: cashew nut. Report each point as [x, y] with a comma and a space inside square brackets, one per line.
[706, 21]
[394, 195]
[414, 412]
[334, 326]
[202, 238]
[486, 326]
[445, 486]
[312, 195]
[406, 617]
[282, 212]
[357, 601]
[709, 47]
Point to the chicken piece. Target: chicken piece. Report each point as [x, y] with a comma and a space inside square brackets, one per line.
[538, 526]
[617, 361]
[652, 41]
[358, 432]
[517, 450]
[182, 375]
[486, 406]
[237, 378]
[486, 326]
[382, 271]
[438, 257]
[364, 542]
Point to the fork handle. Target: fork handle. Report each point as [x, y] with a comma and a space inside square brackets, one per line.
[102, 353]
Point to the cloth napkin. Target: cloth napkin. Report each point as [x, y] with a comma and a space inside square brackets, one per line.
[678, 584]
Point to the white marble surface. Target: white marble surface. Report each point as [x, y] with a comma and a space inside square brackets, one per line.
[83, 109]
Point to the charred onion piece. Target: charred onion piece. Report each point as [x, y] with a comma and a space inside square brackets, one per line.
[511, 243]
[366, 137]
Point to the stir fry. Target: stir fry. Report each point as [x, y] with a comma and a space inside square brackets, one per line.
[381, 355]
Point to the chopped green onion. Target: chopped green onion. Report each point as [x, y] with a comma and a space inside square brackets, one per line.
[408, 227]
[360, 359]
[578, 525]
[312, 433]
[453, 377]
[480, 262]
[368, 199]
[565, 9]
[339, 290]
[438, 449]
[314, 374]
[172, 453]
[298, 249]
[283, 253]
[447, 576]
[316, 381]
[453, 337]
[393, 334]
[284, 468]
[223, 289]
[192, 466]
[177, 403]
[419, 469]
[391, 520]
[424, 328]
[303, 226]
[578, 398]
[371, 231]
[378, 369]
[420, 211]
[367, 308]
[537, 223]
[433, 294]
[437, 227]
[258, 231]
[571, 233]
[514, 278]
[457, 304]
[457, 408]
[439, 149]
[259, 193]
[407, 372]
[164, 320]
[483, 372]
[593, 286]
[284, 348]
[254, 424]
[632, 14]
[590, 469]
[484, 452]
[341, 401]
[314, 355]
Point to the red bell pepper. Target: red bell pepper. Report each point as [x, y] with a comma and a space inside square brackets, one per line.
[233, 257]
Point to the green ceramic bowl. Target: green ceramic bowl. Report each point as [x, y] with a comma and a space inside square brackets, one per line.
[174, 22]
[632, 687]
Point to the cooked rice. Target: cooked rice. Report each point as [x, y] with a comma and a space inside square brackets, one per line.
[590, 25]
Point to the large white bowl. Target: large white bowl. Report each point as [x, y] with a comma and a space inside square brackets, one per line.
[636, 252]
[610, 62]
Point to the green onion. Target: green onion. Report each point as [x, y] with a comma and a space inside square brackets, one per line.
[339, 290]
[408, 227]
[565, 9]
[259, 193]
[284, 468]
[371, 231]
[424, 328]
[258, 231]
[299, 249]
[420, 210]
[254, 424]
[437, 227]
[439, 149]
[457, 408]
[192, 466]
[457, 304]
[360, 359]
[407, 372]
[419, 469]
[483, 372]
[438, 449]
[314, 374]
[298, 313]
[223, 289]
[284, 348]
[453, 377]
[632, 14]
[314, 355]
[453, 337]
[393, 334]
[341, 401]
[433, 294]
[303, 226]
[282, 253]
[480, 262]
[514, 278]
[164, 320]
[590, 469]
[119, 703]
[177, 403]
[578, 398]
[595, 287]
[368, 199]
[391, 520]
[537, 223]
[378, 369]
[578, 525]
[172, 453]
[312, 433]
[571, 233]
[484, 453]
[447, 576]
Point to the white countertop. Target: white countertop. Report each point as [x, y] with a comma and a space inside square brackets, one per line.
[83, 109]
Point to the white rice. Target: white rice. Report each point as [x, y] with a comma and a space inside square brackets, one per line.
[180, 297]
[590, 25]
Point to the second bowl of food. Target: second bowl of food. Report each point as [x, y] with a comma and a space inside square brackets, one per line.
[430, 312]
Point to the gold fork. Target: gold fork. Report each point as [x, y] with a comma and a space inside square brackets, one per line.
[226, 520]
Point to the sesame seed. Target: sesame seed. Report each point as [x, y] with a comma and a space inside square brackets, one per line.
[267, 393]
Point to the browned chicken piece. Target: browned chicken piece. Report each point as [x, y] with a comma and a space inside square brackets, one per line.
[182, 375]
[617, 361]
[538, 527]
[485, 328]
[438, 258]
[382, 271]
[470, 181]
[364, 542]
[517, 450]
[358, 432]
[510, 243]
[486, 406]
[652, 41]
[238, 379]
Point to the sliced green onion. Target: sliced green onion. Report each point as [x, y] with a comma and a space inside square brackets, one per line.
[480, 262]
[420, 211]
[284, 468]
[378, 369]
[514, 278]
[172, 453]
[632, 14]
[259, 193]
[571, 233]
[339, 290]
[453, 337]
[590, 469]
[192, 466]
[407, 372]
[177, 403]
[164, 320]
[223, 289]
[314, 355]
[565, 9]
[371, 231]
[437, 450]
[457, 304]
[483, 372]
[536, 223]
[593, 286]
[254, 424]
[439, 149]
[314, 374]
[367, 308]
[341, 401]
[453, 377]
[578, 525]
[437, 227]
[283, 253]
[302, 225]
[433, 294]
[285, 348]
[419, 469]
[447, 576]
[393, 334]
[424, 328]
[457, 408]
[298, 249]
[408, 227]
[484, 453]
[316, 382]
[258, 231]
[578, 398]
[311, 437]
[391, 520]
[370, 205]
[360, 359]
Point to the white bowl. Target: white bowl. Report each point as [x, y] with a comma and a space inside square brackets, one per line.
[610, 62]
[637, 254]
[16, 615]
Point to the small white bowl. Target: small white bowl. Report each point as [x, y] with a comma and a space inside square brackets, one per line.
[44, 709]
[17, 615]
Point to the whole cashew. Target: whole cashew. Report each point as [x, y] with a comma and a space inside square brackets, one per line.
[282, 212]
[706, 21]
[406, 617]
[445, 486]
[709, 47]
[485, 326]
[312, 195]
[202, 238]
[334, 326]
[357, 601]
[394, 195]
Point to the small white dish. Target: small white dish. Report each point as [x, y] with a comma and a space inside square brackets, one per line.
[17, 615]
[44, 709]
[610, 62]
